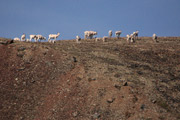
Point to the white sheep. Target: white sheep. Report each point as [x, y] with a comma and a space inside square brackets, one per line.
[118, 33]
[97, 39]
[33, 37]
[110, 33]
[16, 39]
[40, 37]
[128, 38]
[89, 34]
[27, 40]
[53, 36]
[136, 35]
[154, 37]
[78, 39]
[105, 38]
[132, 37]
[23, 37]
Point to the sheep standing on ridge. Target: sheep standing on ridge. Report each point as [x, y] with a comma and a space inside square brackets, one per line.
[110, 33]
[40, 37]
[86, 34]
[97, 39]
[154, 37]
[32, 37]
[78, 39]
[128, 38]
[23, 37]
[53, 36]
[105, 38]
[136, 35]
[16, 39]
[27, 40]
[132, 37]
[118, 33]
[89, 34]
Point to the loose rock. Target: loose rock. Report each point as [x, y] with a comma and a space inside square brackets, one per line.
[6, 42]
[125, 83]
[21, 48]
[20, 54]
[75, 114]
[117, 86]
[142, 107]
[96, 115]
[74, 59]
[110, 100]
[22, 68]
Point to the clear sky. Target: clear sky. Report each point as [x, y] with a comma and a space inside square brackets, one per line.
[73, 17]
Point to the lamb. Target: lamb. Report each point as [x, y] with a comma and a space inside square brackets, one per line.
[154, 37]
[23, 37]
[28, 40]
[118, 33]
[89, 34]
[33, 37]
[97, 39]
[105, 38]
[78, 39]
[110, 33]
[16, 39]
[53, 36]
[40, 37]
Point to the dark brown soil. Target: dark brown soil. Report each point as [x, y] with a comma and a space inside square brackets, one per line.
[91, 80]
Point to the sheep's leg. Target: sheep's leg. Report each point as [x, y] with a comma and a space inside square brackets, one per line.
[48, 40]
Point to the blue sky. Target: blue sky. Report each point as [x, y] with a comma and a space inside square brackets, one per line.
[73, 17]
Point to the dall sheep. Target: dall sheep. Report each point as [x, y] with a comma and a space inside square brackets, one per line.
[53, 36]
[27, 40]
[128, 38]
[89, 34]
[33, 37]
[40, 37]
[105, 38]
[23, 37]
[154, 37]
[78, 39]
[16, 39]
[97, 39]
[136, 35]
[132, 37]
[110, 33]
[118, 33]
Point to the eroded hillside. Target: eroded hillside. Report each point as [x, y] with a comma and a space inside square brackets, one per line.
[92, 80]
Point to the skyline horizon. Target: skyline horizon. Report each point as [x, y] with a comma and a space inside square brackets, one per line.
[73, 17]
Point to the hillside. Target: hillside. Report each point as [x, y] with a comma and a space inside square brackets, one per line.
[90, 81]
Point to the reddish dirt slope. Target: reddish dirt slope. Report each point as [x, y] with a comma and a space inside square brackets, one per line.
[114, 80]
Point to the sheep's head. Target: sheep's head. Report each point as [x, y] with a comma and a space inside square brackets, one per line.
[95, 33]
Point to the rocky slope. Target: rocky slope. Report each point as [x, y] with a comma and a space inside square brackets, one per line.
[90, 81]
